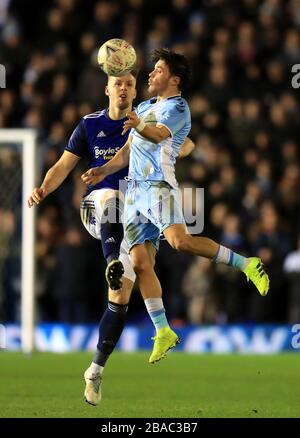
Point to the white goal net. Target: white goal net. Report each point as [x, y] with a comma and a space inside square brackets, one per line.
[17, 226]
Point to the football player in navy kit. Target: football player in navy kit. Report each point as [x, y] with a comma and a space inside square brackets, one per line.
[98, 137]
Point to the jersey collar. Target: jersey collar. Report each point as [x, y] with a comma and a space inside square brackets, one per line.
[154, 99]
[111, 120]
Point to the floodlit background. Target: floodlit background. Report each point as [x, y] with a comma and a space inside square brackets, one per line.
[245, 110]
[245, 123]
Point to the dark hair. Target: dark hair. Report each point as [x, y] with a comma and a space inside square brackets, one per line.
[177, 63]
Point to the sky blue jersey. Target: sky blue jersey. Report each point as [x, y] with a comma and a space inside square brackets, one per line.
[156, 162]
[98, 138]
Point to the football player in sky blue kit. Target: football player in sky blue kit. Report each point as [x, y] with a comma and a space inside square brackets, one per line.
[98, 137]
[152, 204]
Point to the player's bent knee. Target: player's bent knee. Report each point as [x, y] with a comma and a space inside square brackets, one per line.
[141, 265]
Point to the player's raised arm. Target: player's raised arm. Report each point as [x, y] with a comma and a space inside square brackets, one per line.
[54, 177]
[156, 134]
[186, 148]
[118, 162]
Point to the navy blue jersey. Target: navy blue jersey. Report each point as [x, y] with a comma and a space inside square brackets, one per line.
[98, 138]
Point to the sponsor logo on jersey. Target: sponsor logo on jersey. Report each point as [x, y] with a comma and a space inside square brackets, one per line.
[107, 154]
[101, 134]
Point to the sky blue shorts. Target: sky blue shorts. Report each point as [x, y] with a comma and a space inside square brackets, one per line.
[150, 208]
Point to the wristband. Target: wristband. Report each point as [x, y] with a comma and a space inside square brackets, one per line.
[140, 127]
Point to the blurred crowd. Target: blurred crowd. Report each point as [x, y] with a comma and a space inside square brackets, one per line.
[245, 124]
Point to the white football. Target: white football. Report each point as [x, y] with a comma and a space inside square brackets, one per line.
[116, 57]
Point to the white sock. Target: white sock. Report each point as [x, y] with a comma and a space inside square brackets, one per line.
[223, 255]
[230, 258]
[96, 369]
[154, 304]
[157, 313]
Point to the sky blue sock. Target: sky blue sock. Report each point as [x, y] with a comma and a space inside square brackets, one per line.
[230, 258]
[159, 319]
[237, 261]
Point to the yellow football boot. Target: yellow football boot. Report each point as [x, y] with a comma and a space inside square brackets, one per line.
[163, 341]
[255, 272]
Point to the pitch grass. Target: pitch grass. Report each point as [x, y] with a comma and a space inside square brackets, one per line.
[181, 386]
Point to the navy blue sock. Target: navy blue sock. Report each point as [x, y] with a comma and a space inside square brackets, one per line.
[111, 229]
[110, 329]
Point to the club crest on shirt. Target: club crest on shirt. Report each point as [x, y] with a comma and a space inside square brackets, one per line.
[150, 118]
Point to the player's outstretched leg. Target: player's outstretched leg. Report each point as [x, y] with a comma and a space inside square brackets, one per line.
[143, 256]
[252, 267]
[110, 329]
[111, 237]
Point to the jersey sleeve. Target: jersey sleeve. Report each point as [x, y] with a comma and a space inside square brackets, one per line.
[138, 108]
[175, 116]
[78, 143]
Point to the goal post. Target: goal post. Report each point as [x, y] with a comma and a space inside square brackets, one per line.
[27, 137]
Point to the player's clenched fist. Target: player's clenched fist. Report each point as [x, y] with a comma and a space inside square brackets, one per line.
[37, 196]
[93, 176]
